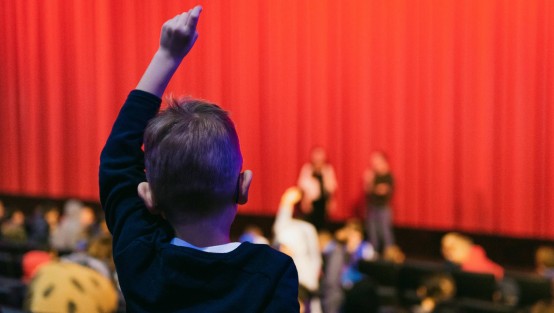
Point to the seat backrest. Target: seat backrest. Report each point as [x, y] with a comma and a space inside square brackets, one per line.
[412, 274]
[480, 286]
[532, 287]
[384, 273]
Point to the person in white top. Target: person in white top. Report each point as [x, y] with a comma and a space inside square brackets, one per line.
[299, 239]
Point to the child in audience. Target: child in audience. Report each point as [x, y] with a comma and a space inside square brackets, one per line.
[435, 293]
[52, 217]
[69, 287]
[394, 254]
[170, 208]
[66, 236]
[544, 260]
[37, 227]
[97, 256]
[461, 251]
[13, 229]
[299, 239]
[356, 249]
[32, 261]
[253, 234]
[334, 259]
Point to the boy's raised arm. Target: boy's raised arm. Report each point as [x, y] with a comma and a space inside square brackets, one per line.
[122, 159]
[177, 38]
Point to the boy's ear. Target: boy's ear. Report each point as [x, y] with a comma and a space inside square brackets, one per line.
[145, 192]
[245, 179]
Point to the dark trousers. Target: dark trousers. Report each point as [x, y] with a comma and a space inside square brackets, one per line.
[317, 216]
[379, 227]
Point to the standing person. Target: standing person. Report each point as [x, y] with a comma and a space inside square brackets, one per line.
[170, 208]
[299, 239]
[318, 184]
[379, 187]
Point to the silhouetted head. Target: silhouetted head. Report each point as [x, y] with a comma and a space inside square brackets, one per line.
[318, 157]
[379, 162]
[193, 161]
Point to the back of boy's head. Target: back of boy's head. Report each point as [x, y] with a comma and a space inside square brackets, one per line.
[192, 158]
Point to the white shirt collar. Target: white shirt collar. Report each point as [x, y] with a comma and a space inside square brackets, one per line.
[225, 248]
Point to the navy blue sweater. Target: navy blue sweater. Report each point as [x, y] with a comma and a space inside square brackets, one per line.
[156, 276]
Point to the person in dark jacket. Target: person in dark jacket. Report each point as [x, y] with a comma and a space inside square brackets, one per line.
[170, 208]
[379, 188]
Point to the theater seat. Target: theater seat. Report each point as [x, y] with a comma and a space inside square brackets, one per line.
[385, 275]
[478, 286]
[532, 288]
[479, 306]
[12, 292]
[411, 276]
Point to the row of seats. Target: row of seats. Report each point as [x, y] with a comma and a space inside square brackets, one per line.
[12, 292]
[10, 265]
[12, 288]
[398, 285]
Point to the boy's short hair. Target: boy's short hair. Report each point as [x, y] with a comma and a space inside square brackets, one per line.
[192, 158]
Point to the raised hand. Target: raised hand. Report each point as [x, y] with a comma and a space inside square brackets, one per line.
[179, 33]
[291, 196]
[177, 38]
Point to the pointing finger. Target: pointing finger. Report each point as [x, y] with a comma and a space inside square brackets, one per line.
[193, 16]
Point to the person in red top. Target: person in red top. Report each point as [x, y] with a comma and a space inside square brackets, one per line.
[460, 250]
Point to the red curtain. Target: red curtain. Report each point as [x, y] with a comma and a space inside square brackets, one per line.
[458, 93]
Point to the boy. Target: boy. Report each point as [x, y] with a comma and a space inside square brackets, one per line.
[171, 241]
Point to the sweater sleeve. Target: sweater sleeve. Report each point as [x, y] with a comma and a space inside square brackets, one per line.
[122, 169]
[285, 299]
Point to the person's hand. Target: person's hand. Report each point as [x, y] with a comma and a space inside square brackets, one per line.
[291, 196]
[177, 38]
[179, 33]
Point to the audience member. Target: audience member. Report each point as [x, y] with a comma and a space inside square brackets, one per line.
[544, 261]
[171, 240]
[341, 255]
[299, 239]
[356, 248]
[98, 256]
[13, 229]
[68, 231]
[543, 307]
[37, 227]
[52, 218]
[461, 251]
[71, 234]
[394, 254]
[253, 234]
[70, 287]
[32, 261]
[318, 184]
[435, 293]
[334, 258]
